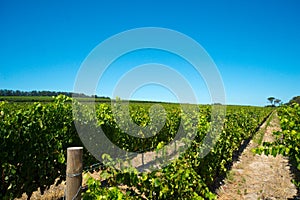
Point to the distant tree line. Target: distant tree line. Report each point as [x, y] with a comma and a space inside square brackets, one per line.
[295, 100]
[5, 92]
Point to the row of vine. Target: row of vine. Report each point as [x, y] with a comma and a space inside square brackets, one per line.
[34, 139]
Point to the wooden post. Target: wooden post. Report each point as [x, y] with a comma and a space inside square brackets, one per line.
[74, 173]
[143, 159]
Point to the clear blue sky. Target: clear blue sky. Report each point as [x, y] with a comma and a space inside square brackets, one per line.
[255, 44]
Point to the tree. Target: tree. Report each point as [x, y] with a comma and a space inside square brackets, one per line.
[277, 101]
[271, 99]
[295, 100]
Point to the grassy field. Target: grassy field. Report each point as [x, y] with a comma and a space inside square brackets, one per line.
[29, 99]
[43, 99]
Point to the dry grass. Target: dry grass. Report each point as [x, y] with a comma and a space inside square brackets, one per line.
[53, 193]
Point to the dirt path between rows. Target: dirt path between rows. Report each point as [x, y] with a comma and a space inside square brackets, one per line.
[255, 177]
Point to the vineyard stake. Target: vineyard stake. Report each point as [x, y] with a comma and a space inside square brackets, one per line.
[74, 173]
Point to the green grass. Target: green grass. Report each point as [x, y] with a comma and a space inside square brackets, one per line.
[29, 99]
[43, 99]
[26, 98]
[260, 134]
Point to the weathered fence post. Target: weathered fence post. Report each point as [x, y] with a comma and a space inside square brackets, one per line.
[74, 173]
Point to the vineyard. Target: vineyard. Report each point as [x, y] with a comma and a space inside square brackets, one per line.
[35, 137]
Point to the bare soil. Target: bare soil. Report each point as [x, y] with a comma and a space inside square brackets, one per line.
[255, 177]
